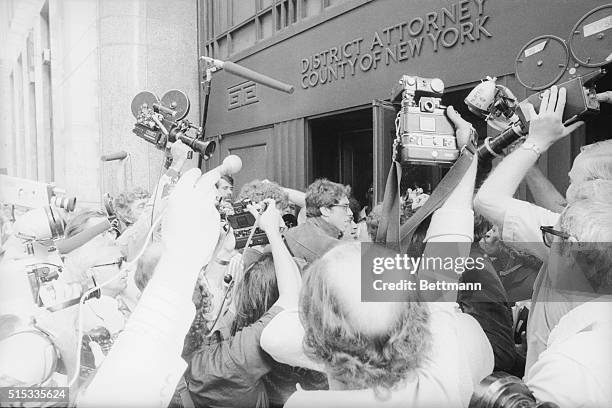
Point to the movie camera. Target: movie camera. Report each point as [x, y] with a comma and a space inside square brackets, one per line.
[545, 61]
[426, 134]
[162, 122]
[501, 390]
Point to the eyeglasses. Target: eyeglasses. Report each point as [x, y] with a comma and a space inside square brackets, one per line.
[549, 231]
[346, 207]
[118, 262]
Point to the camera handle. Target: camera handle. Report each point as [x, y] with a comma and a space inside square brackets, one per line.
[206, 83]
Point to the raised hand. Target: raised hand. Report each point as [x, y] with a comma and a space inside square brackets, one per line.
[546, 126]
[191, 223]
[464, 131]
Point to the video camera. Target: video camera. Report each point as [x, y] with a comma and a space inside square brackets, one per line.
[545, 61]
[427, 136]
[44, 220]
[161, 122]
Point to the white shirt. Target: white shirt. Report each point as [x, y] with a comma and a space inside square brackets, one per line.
[460, 358]
[461, 355]
[521, 230]
[103, 312]
[576, 368]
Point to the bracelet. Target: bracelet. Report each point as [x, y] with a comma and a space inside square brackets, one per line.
[221, 262]
[533, 147]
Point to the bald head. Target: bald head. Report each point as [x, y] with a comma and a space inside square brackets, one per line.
[340, 270]
[362, 344]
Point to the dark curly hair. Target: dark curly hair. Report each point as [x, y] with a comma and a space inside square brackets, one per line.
[123, 201]
[360, 360]
[324, 193]
[258, 190]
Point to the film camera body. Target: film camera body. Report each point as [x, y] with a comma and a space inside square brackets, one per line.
[242, 222]
[427, 136]
[576, 65]
[162, 122]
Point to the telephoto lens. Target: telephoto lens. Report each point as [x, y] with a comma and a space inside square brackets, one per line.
[501, 390]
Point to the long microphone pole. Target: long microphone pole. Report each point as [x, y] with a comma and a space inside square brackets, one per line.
[206, 89]
[249, 74]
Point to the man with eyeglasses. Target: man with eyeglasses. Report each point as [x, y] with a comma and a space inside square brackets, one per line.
[328, 213]
[534, 229]
[107, 310]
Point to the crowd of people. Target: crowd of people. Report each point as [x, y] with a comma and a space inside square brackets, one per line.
[183, 318]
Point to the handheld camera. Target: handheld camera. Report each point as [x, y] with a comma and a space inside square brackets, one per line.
[427, 136]
[242, 222]
[548, 60]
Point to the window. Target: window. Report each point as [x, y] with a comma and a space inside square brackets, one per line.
[231, 26]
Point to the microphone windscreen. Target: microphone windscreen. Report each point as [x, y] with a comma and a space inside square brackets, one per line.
[114, 156]
[231, 165]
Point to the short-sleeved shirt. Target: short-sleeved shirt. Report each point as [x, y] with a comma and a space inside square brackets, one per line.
[229, 372]
[521, 230]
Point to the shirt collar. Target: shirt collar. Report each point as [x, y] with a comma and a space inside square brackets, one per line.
[329, 229]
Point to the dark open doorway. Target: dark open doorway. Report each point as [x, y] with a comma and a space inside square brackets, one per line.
[341, 150]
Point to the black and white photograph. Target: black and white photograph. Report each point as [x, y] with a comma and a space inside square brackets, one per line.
[306, 203]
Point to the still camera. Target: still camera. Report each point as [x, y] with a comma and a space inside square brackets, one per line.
[242, 222]
[427, 136]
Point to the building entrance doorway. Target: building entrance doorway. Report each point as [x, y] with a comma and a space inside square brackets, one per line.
[341, 150]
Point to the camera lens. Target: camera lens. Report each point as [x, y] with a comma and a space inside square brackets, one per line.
[67, 203]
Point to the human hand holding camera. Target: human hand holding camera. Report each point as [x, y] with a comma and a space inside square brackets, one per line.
[179, 152]
[546, 126]
[269, 220]
[464, 131]
[605, 97]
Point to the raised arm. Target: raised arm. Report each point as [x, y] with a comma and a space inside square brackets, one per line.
[144, 365]
[296, 197]
[454, 220]
[545, 128]
[543, 192]
[288, 276]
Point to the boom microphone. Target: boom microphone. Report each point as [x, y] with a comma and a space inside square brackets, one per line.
[251, 75]
[114, 156]
[231, 165]
[69, 244]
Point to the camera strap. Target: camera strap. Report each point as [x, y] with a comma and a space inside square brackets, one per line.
[389, 229]
[389, 225]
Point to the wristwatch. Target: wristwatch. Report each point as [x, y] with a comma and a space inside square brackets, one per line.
[533, 147]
